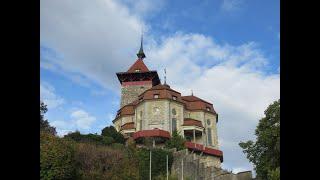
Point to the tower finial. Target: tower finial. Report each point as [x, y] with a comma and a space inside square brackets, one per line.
[141, 54]
[191, 92]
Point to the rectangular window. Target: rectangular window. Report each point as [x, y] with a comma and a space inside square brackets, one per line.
[174, 124]
[156, 96]
[209, 136]
[141, 120]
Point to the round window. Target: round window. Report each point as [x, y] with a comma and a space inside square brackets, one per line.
[208, 122]
[174, 111]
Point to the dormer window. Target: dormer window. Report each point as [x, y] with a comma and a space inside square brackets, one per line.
[156, 96]
[137, 70]
[208, 109]
[174, 97]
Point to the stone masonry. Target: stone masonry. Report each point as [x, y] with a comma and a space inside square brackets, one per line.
[130, 93]
[195, 169]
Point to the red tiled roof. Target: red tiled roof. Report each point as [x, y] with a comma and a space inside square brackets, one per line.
[151, 133]
[191, 122]
[129, 125]
[206, 150]
[139, 64]
[195, 103]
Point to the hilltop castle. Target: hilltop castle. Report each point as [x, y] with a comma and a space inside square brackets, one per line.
[151, 109]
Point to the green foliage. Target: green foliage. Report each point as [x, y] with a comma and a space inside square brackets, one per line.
[56, 158]
[265, 152]
[103, 162]
[158, 164]
[110, 131]
[176, 141]
[44, 124]
[274, 174]
[89, 138]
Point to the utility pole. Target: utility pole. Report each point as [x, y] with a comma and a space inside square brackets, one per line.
[150, 165]
[182, 170]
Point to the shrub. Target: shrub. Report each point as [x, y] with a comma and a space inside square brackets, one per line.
[176, 141]
[110, 131]
[102, 162]
[56, 158]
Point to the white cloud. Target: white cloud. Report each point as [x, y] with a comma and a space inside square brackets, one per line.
[49, 97]
[79, 120]
[95, 39]
[82, 119]
[231, 5]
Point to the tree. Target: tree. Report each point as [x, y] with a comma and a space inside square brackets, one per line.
[176, 141]
[265, 152]
[56, 158]
[110, 131]
[44, 124]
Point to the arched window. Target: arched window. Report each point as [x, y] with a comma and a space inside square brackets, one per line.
[174, 124]
[174, 112]
[209, 136]
[141, 113]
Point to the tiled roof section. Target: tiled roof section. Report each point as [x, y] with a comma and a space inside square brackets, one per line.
[163, 91]
[129, 125]
[126, 110]
[192, 122]
[195, 103]
[138, 65]
[194, 98]
[151, 133]
[206, 150]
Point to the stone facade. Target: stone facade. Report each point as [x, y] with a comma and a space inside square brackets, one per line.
[130, 93]
[194, 166]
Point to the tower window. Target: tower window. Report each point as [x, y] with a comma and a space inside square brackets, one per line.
[174, 124]
[174, 112]
[174, 97]
[137, 70]
[209, 136]
[156, 96]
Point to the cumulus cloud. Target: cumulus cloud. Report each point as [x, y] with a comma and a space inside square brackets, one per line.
[82, 119]
[79, 120]
[49, 97]
[95, 38]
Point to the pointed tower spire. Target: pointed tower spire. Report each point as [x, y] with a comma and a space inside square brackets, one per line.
[141, 54]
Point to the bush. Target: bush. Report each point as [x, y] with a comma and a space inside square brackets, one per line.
[56, 158]
[110, 131]
[176, 141]
[102, 162]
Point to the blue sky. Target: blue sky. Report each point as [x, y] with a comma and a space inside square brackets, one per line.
[228, 49]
